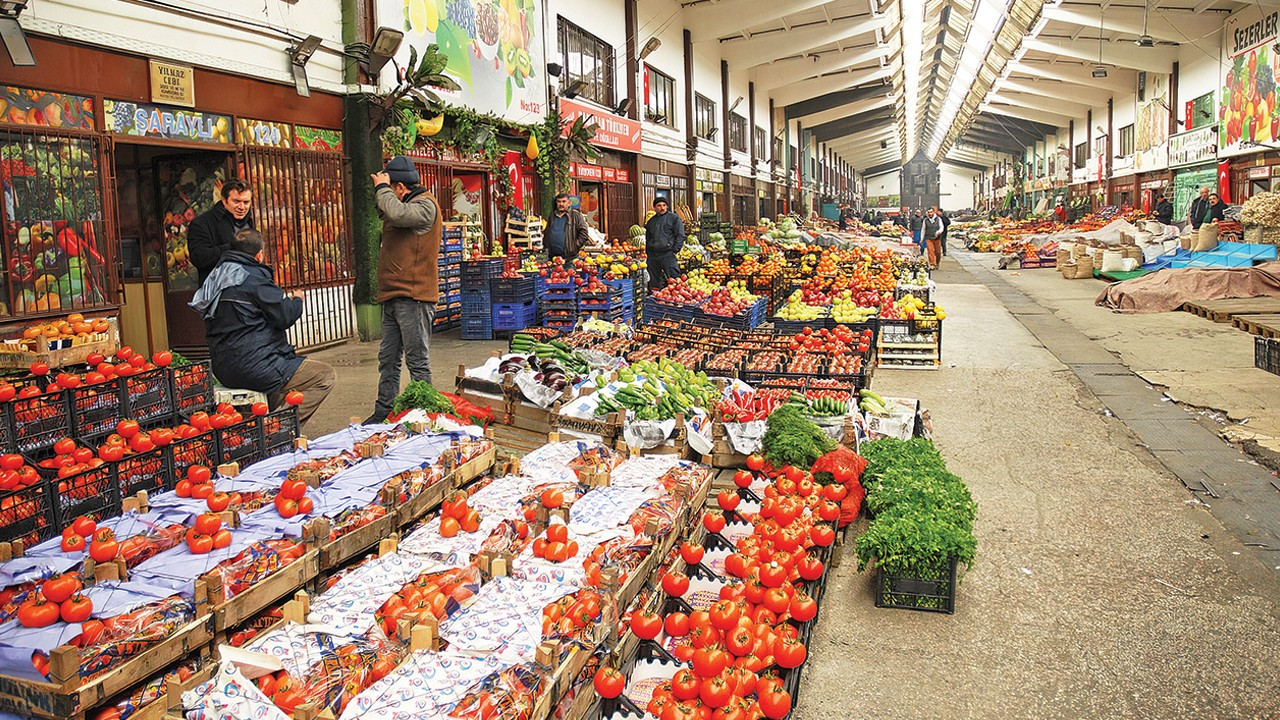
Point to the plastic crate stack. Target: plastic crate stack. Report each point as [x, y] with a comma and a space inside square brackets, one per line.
[515, 305]
[626, 287]
[559, 305]
[449, 309]
[539, 287]
[603, 305]
[477, 303]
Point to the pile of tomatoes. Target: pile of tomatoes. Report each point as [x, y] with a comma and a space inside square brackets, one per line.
[428, 596]
[736, 648]
[207, 534]
[457, 516]
[58, 598]
[292, 499]
[838, 341]
[555, 545]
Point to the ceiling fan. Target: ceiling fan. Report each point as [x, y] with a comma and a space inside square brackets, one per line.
[1145, 40]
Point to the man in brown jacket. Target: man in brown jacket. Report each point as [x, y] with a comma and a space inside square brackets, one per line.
[408, 277]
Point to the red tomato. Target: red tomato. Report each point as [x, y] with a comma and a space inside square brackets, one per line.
[182, 489]
[743, 478]
[60, 588]
[293, 489]
[201, 420]
[198, 474]
[141, 442]
[11, 461]
[202, 491]
[755, 462]
[64, 446]
[306, 505]
[40, 369]
[207, 523]
[676, 624]
[675, 584]
[692, 554]
[37, 613]
[558, 533]
[646, 625]
[293, 398]
[552, 499]
[259, 408]
[608, 682]
[124, 353]
[288, 507]
[94, 359]
[684, 684]
[221, 539]
[72, 543]
[162, 358]
[76, 610]
[199, 544]
[728, 500]
[84, 527]
[161, 437]
[127, 428]
[218, 501]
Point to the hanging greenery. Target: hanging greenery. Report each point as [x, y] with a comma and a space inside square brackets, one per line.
[561, 143]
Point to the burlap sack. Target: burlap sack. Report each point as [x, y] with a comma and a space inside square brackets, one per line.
[1206, 239]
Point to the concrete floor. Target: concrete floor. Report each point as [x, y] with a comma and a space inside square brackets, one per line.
[1102, 588]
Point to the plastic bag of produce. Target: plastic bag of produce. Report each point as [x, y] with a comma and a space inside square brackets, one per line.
[229, 696]
[648, 434]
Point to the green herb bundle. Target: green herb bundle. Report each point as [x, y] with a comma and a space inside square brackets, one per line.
[792, 439]
[923, 514]
[423, 396]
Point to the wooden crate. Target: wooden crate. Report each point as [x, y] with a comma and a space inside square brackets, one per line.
[286, 581]
[515, 441]
[65, 698]
[608, 428]
[20, 356]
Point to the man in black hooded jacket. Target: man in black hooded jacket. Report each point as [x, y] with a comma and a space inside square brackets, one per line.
[246, 316]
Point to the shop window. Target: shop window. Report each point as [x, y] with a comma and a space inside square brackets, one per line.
[1082, 155]
[1126, 140]
[738, 132]
[704, 117]
[589, 59]
[660, 98]
[55, 243]
[761, 144]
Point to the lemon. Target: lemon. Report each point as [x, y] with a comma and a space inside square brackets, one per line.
[423, 16]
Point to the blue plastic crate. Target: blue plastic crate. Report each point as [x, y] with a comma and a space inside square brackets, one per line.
[514, 316]
[481, 271]
[512, 290]
[476, 303]
[626, 286]
[477, 328]
[452, 247]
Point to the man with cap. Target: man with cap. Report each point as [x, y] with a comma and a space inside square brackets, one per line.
[663, 238]
[408, 277]
[1163, 210]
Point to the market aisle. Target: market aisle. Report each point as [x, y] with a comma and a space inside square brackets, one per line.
[1099, 590]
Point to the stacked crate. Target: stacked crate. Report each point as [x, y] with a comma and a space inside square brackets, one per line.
[477, 303]
[449, 308]
[515, 305]
[559, 306]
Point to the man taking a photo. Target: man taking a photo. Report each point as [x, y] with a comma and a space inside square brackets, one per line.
[408, 277]
[210, 234]
[566, 230]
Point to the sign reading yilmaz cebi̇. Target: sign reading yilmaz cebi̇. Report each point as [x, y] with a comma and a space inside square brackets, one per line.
[173, 84]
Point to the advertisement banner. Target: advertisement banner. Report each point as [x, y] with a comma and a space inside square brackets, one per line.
[24, 106]
[123, 117]
[1193, 147]
[309, 138]
[1248, 114]
[614, 132]
[494, 47]
[1151, 126]
[266, 134]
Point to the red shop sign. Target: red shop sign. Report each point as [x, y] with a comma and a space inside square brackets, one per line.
[614, 131]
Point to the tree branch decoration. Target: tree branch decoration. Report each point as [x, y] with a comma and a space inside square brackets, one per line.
[396, 114]
[562, 143]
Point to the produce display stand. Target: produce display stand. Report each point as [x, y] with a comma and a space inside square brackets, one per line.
[59, 352]
[910, 344]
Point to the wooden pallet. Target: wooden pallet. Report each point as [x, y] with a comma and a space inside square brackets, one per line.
[1268, 326]
[1224, 310]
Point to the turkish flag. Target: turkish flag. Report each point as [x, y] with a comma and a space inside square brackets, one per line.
[513, 165]
[1224, 181]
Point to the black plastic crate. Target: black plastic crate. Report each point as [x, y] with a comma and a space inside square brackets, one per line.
[151, 471]
[279, 430]
[199, 449]
[191, 388]
[93, 492]
[936, 594]
[148, 395]
[240, 443]
[511, 290]
[27, 514]
[477, 273]
[36, 423]
[1266, 354]
[97, 409]
[6, 432]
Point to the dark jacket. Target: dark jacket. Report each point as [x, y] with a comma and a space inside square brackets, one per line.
[409, 257]
[1164, 212]
[1196, 213]
[664, 234]
[245, 318]
[917, 222]
[575, 233]
[209, 237]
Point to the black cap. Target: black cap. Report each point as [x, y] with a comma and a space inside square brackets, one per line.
[401, 170]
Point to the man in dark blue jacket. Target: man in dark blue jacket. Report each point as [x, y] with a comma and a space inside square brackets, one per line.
[246, 316]
[663, 238]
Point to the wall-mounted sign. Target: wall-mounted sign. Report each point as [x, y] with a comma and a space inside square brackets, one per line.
[263, 133]
[1248, 118]
[584, 171]
[24, 106]
[1194, 146]
[1151, 123]
[173, 84]
[1259, 173]
[123, 117]
[612, 131]
[309, 138]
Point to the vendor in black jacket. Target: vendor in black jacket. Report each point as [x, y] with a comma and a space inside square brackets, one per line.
[210, 234]
[663, 238]
[246, 316]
